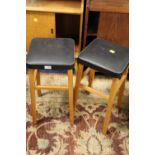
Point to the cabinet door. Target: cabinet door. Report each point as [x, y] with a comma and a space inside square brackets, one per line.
[114, 27]
[39, 24]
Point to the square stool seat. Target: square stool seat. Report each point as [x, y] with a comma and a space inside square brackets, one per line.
[48, 53]
[106, 57]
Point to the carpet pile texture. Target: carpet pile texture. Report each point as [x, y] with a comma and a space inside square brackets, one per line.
[53, 135]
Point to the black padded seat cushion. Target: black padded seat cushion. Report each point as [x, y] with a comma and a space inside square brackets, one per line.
[48, 53]
[105, 57]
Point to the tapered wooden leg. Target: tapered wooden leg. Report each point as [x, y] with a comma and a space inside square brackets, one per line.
[70, 89]
[75, 66]
[112, 95]
[32, 94]
[120, 95]
[91, 77]
[38, 83]
[77, 84]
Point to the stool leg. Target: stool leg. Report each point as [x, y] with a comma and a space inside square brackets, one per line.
[77, 84]
[120, 95]
[75, 66]
[70, 89]
[32, 94]
[112, 95]
[38, 83]
[91, 77]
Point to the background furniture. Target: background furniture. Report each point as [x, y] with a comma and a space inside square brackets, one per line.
[54, 18]
[110, 59]
[50, 54]
[107, 19]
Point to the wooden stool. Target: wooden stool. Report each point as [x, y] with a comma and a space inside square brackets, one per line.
[107, 58]
[50, 54]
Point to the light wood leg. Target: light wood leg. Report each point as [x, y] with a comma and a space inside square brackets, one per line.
[32, 94]
[120, 95]
[70, 89]
[91, 77]
[38, 83]
[75, 66]
[113, 92]
[86, 72]
[77, 84]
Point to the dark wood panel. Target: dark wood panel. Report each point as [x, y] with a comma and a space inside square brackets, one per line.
[114, 27]
[120, 6]
[67, 26]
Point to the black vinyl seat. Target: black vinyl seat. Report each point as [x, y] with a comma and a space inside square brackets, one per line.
[106, 57]
[48, 53]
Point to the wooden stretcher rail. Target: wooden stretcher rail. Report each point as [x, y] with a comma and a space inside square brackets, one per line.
[96, 92]
[52, 87]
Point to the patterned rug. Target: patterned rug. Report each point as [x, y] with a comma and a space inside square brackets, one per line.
[53, 134]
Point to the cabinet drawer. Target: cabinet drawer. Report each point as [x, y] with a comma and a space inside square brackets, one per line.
[39, 24]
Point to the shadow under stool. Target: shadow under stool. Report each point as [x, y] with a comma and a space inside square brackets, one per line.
[111, 60]
[50, 54]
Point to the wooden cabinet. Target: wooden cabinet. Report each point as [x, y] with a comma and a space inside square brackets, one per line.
[39, 24]
[107, 19]
[54, 18]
